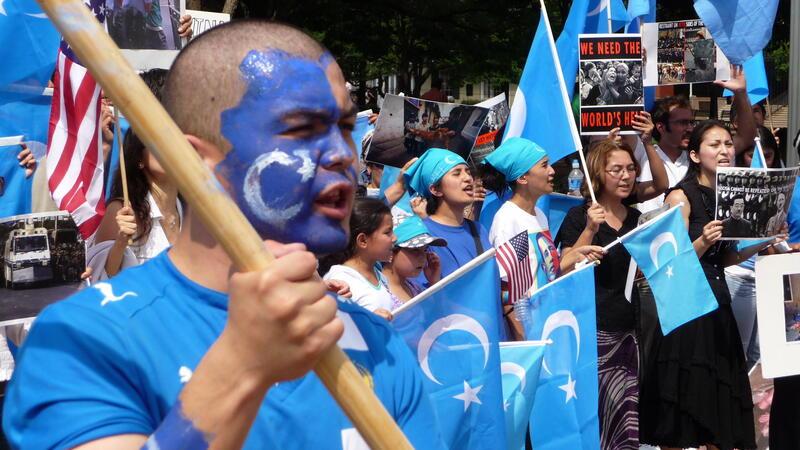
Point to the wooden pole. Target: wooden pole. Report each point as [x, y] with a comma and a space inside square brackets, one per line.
[209, 200]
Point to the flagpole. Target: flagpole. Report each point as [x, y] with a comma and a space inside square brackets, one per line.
[560, 279]
[480, 259]
[208, 199]
[769, 111]
[122, 172]
[608, 15]
[760, 149]
[576, 138]
[512, 344]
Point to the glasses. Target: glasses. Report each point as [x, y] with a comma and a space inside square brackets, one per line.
[684, 122]
[616, 172]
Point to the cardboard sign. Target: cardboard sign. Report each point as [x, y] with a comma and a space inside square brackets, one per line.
[778, 312]
[610, 82]
[203, 21]
[494, 124]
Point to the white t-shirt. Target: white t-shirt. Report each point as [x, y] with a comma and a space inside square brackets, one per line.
[676, 170]
[364, 293]
[512, 220]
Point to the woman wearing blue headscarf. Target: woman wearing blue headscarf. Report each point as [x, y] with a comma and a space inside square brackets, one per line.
[445, 181]
[523, 167]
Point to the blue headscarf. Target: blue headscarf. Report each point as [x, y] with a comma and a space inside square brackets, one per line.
[429, 169]
[515, 157]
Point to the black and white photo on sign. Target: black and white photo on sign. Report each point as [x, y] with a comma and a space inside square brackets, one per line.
[493, 127]
[681, 52]
[146, 30]
[407, 127]
[43, 257]
[610, 83]
[778, 313]
[753, 203]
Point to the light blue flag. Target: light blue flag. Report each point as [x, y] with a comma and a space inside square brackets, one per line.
[597, 16]
[455, 334]
[642, 11]
[741, 28]
[757, 86]
[665, 254]
[541, 110]
[520, 363]
[556, 206]
[27, 117]
[388, 178]
[29, 50]
[565, 408]
[793, 215]
[491, 205]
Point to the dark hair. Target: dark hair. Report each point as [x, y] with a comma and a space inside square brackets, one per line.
[138, 184]
[495, 181]
[368, 213]
[734, 112]
[432, 202]
[696, 138]
[768, 142]
[134, 149]
[662, 108]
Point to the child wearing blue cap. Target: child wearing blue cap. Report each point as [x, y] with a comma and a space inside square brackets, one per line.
[523, 167]
[410, 258]
[445, 181]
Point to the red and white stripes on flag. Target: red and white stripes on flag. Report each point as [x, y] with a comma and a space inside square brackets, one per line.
[514, 258]
[74, 145]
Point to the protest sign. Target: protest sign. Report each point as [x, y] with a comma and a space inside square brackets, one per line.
[407, 127]
[778, 313]
[146, 31]
[43, 257]
[610, 82]
[752, 203]
[203, 21]
[495, 121]
[681, 52]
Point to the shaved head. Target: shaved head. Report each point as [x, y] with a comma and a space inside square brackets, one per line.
[206, 80]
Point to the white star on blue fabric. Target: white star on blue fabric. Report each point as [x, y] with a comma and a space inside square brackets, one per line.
[469, 396]
[569, 388]
[669, 272]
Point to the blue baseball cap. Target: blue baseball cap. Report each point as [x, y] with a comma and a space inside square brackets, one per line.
[429, 169]
[515, 157]
[411, 232]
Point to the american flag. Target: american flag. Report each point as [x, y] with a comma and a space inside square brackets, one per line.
[74, 145]
[514, 258]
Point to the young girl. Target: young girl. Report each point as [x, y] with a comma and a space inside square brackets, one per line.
[699, 393]
[371, 240]
[523, 166]
[411, 257]
[612, 171]
[444, 180]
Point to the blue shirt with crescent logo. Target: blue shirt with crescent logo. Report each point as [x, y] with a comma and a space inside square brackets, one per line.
[113, 358]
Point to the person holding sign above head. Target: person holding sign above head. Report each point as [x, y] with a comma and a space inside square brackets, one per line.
[524, 167]
[612, 171]
[698, 391]
[182, 352]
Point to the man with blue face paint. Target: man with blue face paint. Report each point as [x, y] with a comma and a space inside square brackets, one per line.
[179, 353]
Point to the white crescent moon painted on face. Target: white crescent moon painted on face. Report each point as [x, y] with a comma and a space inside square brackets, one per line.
[558, 319]
[662, 239]
[252, 184]
[516, 370]
[449, 323]
[601, 6]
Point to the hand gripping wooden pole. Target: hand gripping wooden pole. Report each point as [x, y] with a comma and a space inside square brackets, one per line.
[207, 198]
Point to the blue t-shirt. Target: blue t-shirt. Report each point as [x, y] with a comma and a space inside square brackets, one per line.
[112, 359]
[460, 247]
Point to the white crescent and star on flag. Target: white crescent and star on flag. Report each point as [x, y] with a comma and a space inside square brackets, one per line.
[453, 322]
[659, 241]
[563, 318]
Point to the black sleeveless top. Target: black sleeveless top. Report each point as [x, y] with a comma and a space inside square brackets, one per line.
[702, 201]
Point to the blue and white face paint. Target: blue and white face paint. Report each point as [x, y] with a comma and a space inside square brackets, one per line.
[290, 167]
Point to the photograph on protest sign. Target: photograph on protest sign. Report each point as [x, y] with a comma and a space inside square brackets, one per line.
[406, 127]
[610, 82]
[493, 127]
[42, 257]
[753, 203]
[778, 313]
[203, 21]
[681, 52]
[146, 30]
